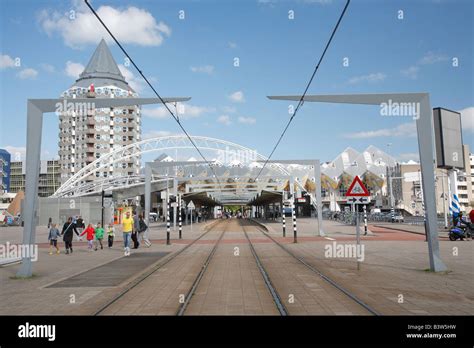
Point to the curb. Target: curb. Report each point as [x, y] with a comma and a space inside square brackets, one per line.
[399, 229]
[268, 229]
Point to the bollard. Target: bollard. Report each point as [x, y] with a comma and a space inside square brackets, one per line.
[284, 223]
[365, 220]
[295, 233]
[180, 227]
[168, 221]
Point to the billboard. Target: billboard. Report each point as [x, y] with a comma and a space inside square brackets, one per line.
[448, 138]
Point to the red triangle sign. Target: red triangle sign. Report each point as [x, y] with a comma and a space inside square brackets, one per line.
[357, 189]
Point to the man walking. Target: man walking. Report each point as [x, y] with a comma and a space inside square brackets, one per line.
[127, 229]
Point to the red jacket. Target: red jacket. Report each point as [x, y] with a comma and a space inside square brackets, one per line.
[90, 233]
[471, 216]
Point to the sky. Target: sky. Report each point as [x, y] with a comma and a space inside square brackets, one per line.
[190, 48]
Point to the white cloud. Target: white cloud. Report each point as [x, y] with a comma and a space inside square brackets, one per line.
[155, 134]
[432, 58]
[224, 119]
[467, 119]
[411, 72]
[371, 78]
[131, 25]
[429, 58]
[323, 2]
[186, 111]
[247, 120]
[229, 109]
[18, 153]
[409, 156]
[73, 69]
[232, 44]
[134, 81]
[403, 130]
[205, 69]
[6, 61]
[159, 112]
[48, 67]
[27, 73]
[237, 97]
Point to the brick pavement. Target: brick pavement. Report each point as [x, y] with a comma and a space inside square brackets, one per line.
[395, 264]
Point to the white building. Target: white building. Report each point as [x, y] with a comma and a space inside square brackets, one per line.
[87, 133]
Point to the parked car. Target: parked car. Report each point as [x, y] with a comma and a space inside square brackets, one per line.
[398, 218]
[153, 217]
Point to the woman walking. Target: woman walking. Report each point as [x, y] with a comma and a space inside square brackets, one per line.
[67, 234]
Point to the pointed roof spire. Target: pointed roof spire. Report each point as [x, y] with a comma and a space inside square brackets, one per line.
[102, 68]
[102, 64]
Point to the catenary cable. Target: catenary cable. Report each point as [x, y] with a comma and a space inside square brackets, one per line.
[154, 90]
[301, 101]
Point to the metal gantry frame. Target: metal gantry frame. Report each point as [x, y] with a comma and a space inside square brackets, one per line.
[426, 148]
[317, 181]
[150, 166]
[36, 108]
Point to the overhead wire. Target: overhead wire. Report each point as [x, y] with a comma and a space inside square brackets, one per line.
[176, 118]
[301, 100]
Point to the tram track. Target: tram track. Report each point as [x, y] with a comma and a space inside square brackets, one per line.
[266, 276]
[314, 270]
[140, 279]
[276, 297]
[268, 283]
[187, 299]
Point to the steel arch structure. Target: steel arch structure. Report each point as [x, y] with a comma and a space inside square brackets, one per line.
[76, 185]
[233, 154]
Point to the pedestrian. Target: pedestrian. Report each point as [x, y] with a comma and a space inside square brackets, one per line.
[142, 228]
[53, 239]
[89, 232]
[471, 216]
[110, 235]
[136, 230]
[80, 224]
[127, 229]
[99, 235]
[50, 222]
[67, 233]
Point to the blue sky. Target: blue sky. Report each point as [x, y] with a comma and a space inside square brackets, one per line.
[195, 57]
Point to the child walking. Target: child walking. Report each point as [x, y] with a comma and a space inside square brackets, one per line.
[53, 239]
[99, 235]
[89, 232]
[110, 235]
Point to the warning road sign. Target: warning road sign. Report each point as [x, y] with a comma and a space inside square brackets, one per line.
[357, 189]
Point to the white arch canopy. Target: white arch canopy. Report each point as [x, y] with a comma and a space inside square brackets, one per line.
[227, 158]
